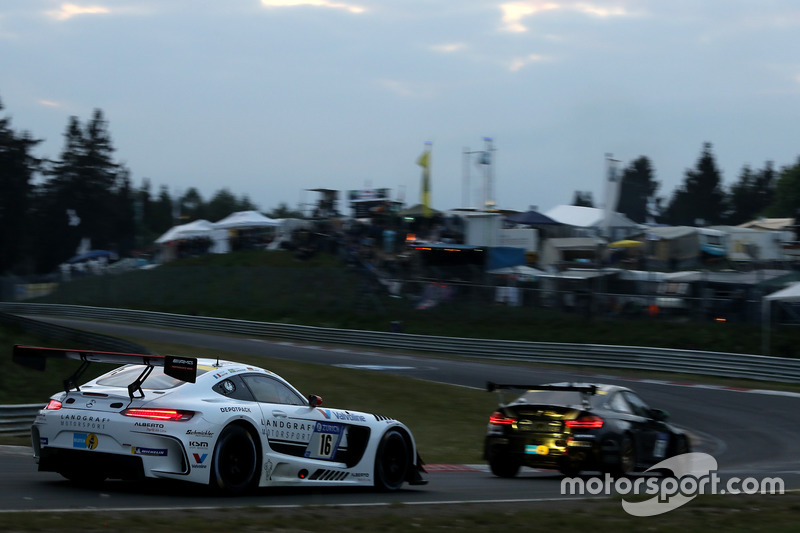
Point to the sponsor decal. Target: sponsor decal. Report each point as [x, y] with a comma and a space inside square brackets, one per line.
[200, 432]
[339, 415]
[199, 460]
[197, 444]
[152, 427]
[360, 475]
[85, 441]
[43, 441]
[83, 421]
[90, 403]
[235, 409]
[139, 450]
[298, 431]
[324, 441]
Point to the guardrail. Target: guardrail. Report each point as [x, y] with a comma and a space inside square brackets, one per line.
[16, 420]
[731, 365]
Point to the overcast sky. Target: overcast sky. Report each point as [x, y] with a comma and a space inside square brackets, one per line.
[272, 97]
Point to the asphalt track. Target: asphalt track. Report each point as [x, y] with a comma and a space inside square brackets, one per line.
[751, 434]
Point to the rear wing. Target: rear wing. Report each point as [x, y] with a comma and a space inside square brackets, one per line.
[584, 390]
[182, 368]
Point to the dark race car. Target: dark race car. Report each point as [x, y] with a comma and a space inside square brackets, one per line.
[578, 427]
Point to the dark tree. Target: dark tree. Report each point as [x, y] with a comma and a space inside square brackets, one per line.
[283, 211]
[17, 167]
[221, 205]
[637, 190]
[752, 194]
[787, 193]
[701, 197]
[80, 198]
[192, 206]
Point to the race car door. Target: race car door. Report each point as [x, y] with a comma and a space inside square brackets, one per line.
[653, 438]
[291, 426]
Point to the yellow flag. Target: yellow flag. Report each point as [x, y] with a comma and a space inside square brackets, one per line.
[425, 159]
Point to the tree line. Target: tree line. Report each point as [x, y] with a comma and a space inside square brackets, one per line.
[702, 199]
[48, 206]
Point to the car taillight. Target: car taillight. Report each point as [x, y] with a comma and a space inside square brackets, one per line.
[585, 422]
[499, 419]
[170, 415]
[53, 404]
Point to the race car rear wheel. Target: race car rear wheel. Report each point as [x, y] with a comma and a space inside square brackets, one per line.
[626, 463]
[503, 466]
[392, 461]
[234, 466]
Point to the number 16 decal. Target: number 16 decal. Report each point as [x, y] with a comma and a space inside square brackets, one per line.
[324, 441]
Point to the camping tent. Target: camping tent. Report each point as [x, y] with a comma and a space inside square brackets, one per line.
[197, 228]
[532, 218]
[788, 294]
[594, 222]
[246, 219]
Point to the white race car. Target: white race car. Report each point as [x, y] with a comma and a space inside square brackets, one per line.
[229, 425]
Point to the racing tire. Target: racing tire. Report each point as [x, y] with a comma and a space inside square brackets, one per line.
[392, 461]
[503, 466]
[626, 463]
[682, 445]
[569, 468]
[234, 464]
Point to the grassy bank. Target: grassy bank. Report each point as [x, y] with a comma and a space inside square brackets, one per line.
[274, 287]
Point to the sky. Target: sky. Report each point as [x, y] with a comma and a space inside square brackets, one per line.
[271, 98]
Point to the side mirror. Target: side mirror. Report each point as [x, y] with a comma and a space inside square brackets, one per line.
[659, 414]
[314, 400]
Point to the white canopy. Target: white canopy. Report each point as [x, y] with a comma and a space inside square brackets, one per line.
[246, 219]
[789, 294]
[198, 228]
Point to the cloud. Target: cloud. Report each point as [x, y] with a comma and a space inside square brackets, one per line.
[352, 8]
[407, 89]
[67, 11]
[515, 12]
[521, 62]
[448, 48]
[49, 103]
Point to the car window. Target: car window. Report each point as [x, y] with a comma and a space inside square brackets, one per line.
[637, 404]
[618, 403]
[233, 387]
[268, 390]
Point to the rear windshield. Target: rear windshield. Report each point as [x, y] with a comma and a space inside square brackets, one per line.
[157, 380]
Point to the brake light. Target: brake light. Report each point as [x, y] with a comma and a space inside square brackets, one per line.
[585, 422]
[499, 419]
[169, 415]
[53, 405]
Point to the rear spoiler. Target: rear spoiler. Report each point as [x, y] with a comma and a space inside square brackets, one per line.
[584, 389]
[182, 368]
